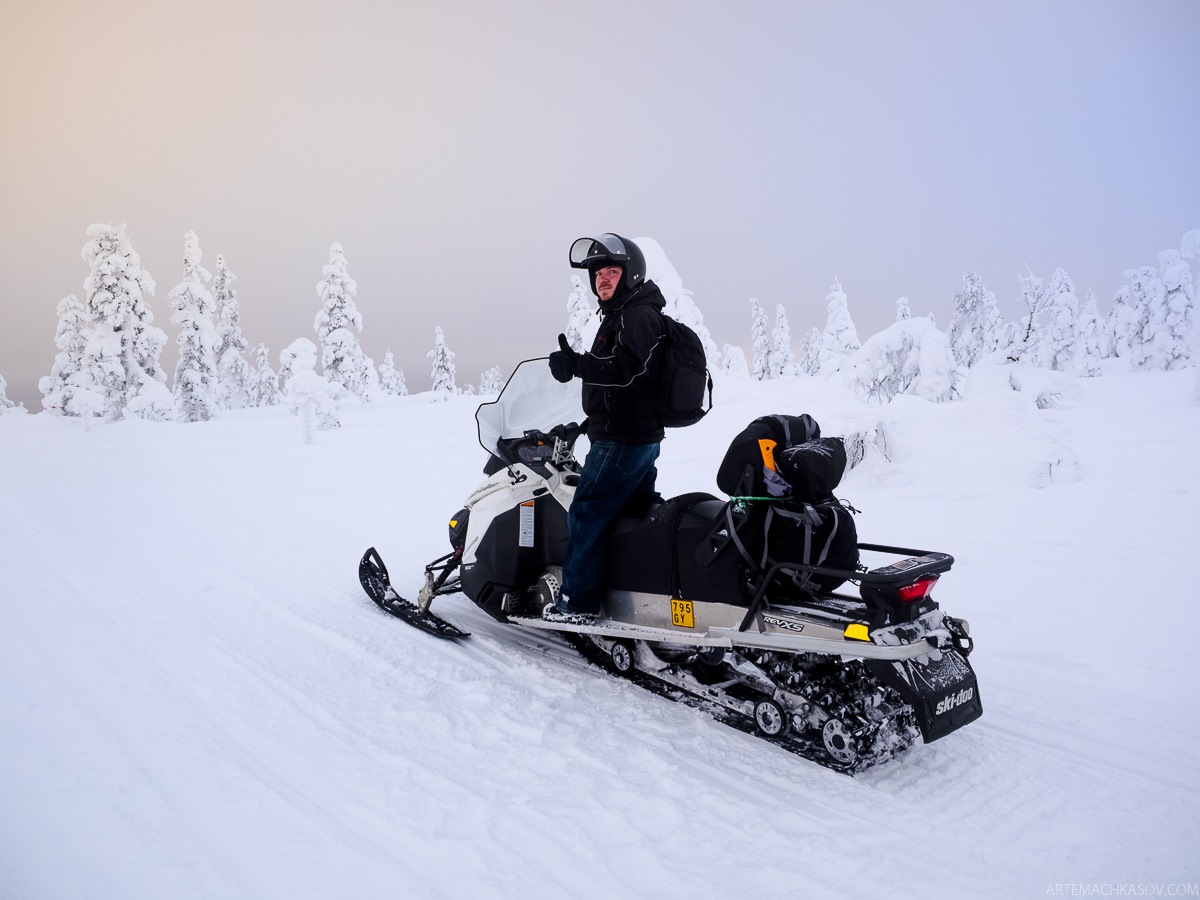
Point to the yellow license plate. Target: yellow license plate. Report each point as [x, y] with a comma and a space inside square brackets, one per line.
[683, 614]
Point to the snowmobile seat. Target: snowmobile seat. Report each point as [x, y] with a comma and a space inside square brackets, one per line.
[658, 553]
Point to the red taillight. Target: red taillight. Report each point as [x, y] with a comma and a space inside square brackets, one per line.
[918, 590]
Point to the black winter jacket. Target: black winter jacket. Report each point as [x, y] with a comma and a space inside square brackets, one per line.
[620, 390]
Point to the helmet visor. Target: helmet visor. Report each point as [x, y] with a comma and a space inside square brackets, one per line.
[587, 250]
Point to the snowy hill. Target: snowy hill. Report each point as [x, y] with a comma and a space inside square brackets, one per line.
[199, 701]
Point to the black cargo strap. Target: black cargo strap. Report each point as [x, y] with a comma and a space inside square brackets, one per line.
[758, 564]
[810, 519]
[732, 528]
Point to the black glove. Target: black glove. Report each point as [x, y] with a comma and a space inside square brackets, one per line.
[563, 361]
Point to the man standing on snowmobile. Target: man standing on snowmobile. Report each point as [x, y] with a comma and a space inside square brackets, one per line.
[620, 402]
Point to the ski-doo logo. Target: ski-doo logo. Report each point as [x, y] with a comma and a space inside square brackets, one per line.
[787, 624]
[955, 700]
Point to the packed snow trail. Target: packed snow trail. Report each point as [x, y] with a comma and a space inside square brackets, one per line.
[200, 701]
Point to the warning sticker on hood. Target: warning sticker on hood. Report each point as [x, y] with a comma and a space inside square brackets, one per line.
[525, 534]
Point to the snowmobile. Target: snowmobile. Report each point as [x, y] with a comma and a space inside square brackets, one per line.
[849, 681]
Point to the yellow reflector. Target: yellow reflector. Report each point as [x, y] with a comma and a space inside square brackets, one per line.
[454, 523]
[857, 631]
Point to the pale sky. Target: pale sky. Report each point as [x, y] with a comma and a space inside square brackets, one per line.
[455, 149]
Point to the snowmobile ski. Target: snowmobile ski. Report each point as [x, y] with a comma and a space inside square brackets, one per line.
[373, 575]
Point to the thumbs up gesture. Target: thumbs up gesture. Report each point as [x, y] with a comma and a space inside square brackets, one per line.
[563, 361]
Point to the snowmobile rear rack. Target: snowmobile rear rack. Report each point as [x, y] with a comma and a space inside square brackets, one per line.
[916, 565]
[873, 584]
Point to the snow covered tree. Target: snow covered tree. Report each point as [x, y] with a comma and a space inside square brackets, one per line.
[1189, 248]
[908, 357]
[7, 405]
[234, 377]
[975, 324]
[443, 366]
[903, 310]
[840, 338]
[1172, 325]
[780, 358]
[760, 347]
[580, 315]
[1091, 339]
[391, 379]
[1149, 300]
[336, 325]
[1189, 244]
[313, 398]
[1060, 283]
[1122, 324]
[68, 375]
[196, 373]
[1059, 345]
[120, 374]
[264, 391]
[1025, 341]
[733, 362]
[810, 353]
[491, 381]
[287, 361]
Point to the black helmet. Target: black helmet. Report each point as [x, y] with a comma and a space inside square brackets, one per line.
[594, 253]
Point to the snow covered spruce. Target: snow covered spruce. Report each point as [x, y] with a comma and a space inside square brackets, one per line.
[108, 365]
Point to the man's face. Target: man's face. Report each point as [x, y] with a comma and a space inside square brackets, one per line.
[606, 281]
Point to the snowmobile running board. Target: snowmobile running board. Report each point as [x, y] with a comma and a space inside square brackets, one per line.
[733, 637]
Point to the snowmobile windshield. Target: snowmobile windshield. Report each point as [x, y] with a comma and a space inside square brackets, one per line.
[590, 249]
[532, 400]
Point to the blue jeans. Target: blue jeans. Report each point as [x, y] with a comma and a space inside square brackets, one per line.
[614, 475]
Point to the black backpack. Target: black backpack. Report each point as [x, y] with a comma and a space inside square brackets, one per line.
[682, 376]
[751, 464]
[813, 469]
[785, 473]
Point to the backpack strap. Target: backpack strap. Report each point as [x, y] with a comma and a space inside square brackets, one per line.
[787, 432]
[809, 517]
[808, 423]
[733, 536]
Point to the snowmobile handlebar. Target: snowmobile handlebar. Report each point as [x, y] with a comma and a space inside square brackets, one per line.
[535, 448]
[568, 433]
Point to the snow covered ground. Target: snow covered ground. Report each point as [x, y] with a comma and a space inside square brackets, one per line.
[199, 701]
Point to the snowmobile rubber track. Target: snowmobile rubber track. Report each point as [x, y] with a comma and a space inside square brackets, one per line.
[811, 748]
[373, 576]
